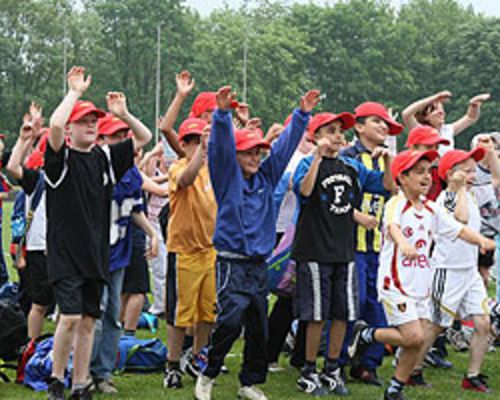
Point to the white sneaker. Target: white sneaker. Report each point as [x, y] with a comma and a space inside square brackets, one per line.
[203, 388]
[274, 367]
[251, 393]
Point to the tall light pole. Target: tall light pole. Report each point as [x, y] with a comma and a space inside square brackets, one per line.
[158, 79]
[65, 60]
[245, 52]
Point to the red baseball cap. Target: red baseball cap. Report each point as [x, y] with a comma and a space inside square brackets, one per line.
[408, 158]
[205, 101]
[248, 139]
[426, 135]
[326, 118]
[191, 126]
[83, 108]
[109, 125]
[371, 108]
[454, 157]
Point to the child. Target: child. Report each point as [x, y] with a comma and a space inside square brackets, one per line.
[80, 180]
[373, 125]
[244, 237]
[430, 111]
[410, 222]
[457, 287]
[329, 188]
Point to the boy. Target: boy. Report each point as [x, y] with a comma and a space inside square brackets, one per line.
[373, 124]
[244, 237]
[457, 287]
[329, 188]
[79, 180]
[191, 293]
[410, 222]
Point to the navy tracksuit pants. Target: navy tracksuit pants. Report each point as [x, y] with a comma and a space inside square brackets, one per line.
[242, 302]
[371, 310]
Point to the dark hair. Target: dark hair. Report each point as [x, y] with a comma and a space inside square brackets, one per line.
[420, 115]
[191, 138]
[359, 120]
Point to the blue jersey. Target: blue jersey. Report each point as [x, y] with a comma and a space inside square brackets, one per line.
[127, 198]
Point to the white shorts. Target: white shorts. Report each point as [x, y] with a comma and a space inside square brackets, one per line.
[400, 309]
[457, 293]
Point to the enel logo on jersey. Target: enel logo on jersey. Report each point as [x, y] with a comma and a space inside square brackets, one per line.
[420, 262]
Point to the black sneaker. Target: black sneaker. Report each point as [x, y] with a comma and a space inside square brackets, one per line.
[311, 384]
[191, 367]
[334, 382]
[81, 394]
[417, 379]
[56, 389]
[358, 345]
[172, 379]
[366, 375]
[394, 395]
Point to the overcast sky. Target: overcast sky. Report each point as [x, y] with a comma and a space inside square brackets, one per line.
[488, 7]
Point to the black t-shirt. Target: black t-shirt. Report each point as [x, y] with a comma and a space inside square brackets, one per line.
[29, 180]
[325, 228]
[79, 187]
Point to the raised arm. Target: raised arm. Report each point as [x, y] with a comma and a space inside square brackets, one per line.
[309, 179]
[409, 112]
[188, 176]
[117, 104]
[77, 86]
[150, 186]
[472, 114]
[456, 184]
[21, 149]
[494, 167]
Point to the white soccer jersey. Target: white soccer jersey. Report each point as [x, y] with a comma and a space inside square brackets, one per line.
[397, 273]
[456, 253]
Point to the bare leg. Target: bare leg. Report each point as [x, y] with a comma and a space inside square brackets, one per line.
[35, 320]
[313, 339]
[175, 338]
[201, 334]
[133, 311]
[63, 343]
[337, 334]
[83, 349]
[479, 344]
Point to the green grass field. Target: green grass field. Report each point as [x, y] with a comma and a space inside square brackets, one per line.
[446, 384]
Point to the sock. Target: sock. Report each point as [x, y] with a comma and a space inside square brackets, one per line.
[395, 386]
[129, 332]
[78, 386]
[56, 378]
[174, 365]
[188, 342]
[470, 376]
[331, 364]
[309, 367]
[368, 335]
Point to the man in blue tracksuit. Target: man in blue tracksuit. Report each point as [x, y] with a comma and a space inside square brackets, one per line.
[245, 236]
[373, 124]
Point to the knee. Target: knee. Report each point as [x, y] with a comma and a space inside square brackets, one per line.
[414, 339]
[482, 325]
[38, 309]
[70, 322]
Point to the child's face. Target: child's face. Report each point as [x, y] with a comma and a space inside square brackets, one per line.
[84, 131]
[418, 180]
[114, 138]
[249, 161]
[436, 115]
[189, 144]
[469, 168]
[334, 133]
[374, 129]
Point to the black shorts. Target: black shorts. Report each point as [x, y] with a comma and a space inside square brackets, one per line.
[326, 292]
[41, 289]
[78, 295]
[136, 279]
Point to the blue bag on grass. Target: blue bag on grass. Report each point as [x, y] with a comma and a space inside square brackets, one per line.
[148, 321]
[39, 367]
[141, 355]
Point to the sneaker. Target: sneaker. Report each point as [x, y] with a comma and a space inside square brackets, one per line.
[274, 367]
[203, 388]
[184, 358]
[366, 375]
[394, 396]
[105, 386]
[417, 379]
[311, 384]
[191, 367]
[172, 379]
[251, 393]
[457, 339]
[81, 394]
[434, 359]
[476, 384]
[334, 382]
[358, 345]
[56, 389]
[224, 370]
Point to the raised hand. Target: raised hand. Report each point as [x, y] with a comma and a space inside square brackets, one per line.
[226, 99]
[253, 124]
[77, 81]
[479, 99]
[27, 131]
[117, 104]
[243, 113]
[310, 100]
[457, 179]
[441, 97]
[273, 132]
[323, 146]
[185, 83]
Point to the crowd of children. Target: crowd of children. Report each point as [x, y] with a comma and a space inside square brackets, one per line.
[390, 248]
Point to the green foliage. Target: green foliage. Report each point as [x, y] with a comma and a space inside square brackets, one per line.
[353, 51]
